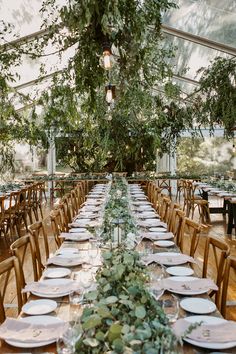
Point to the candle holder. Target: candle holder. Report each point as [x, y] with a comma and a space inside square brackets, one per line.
[117, 231]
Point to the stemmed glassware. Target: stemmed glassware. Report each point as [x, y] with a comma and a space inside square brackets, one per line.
[170, 306]
[67, 342]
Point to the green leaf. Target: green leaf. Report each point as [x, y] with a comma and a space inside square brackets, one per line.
[106, 288]
[100, 336]
[128, 259]
[104, 312]
[111, 300]
[114, 331]
[118, 345]
[91, 295]
[92, 322]
[125, 329]
[107, 255]
[140, 312]
[91, 342]
[119, 271]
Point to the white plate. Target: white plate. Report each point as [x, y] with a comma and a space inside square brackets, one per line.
[208, 320]
[198, 305]
[66, 260]
[78, 229]
[54, 282]
[67, 250]
[53, 273]
[164, 243]
[145, 207]
[158, 229]
[39, 307]
[35, 320]
[68, 255]
[186, 293]
[180, 271]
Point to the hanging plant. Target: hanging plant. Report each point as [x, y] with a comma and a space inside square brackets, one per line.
[217, 104]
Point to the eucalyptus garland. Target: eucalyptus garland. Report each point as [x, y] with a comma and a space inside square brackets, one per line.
[124, 317]
[117, 210]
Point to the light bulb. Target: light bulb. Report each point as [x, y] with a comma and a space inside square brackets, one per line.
[107, 60]
[109, 95]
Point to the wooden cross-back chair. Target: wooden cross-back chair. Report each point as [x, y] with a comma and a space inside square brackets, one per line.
[164, 184]
[66, 208]
[193, 201]
[191, 230]
[178, 227]
[11, 214]
[57, 225]
[164, 208]
[37, 230]
[3, 225]
[23, 248]
[8, 267]
[156, 200]
[230, 267]
[171, 215]
[218, 251]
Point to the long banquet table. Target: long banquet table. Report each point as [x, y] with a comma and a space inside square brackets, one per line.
[63, 308]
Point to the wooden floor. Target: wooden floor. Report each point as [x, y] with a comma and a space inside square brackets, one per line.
[217, 228]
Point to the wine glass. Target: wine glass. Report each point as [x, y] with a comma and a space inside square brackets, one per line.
[66, 343]
[170, 306]
[156, 272]
[75, 299]
[93, 251]
[156, 291]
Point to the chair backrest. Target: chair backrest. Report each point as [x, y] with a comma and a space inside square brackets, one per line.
[6, 267]
[57, 226]
[38, 229]
[164, 184]
[215, 254]
[2, 207]
[222, 302]
[171, 214]
[164, 208]
[67, 208]
[74, 202]
[192, 230]
[178, 227]
[21, 248]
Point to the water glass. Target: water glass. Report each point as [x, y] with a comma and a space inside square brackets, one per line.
[156, 272]
[170, 306]
[156, 291]
[62, 347]
[76, 300]
[66, 343]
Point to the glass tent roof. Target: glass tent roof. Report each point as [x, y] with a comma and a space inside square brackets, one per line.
[211, 19]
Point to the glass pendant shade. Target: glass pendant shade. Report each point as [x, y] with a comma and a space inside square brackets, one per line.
[110, 93]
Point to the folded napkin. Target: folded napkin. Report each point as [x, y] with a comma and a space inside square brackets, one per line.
[21, 331]
[168, 259]
[89, 209]
[43, 287]
[201, 284]
[76, 236]
[152, 222]
[147, 215]
[84, 223]
[70, 260]
[154, 236]
[214, 333]
[79, 223]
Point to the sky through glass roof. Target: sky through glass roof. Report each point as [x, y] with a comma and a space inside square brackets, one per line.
[212, 19]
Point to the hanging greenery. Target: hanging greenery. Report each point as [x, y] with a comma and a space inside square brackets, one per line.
[148, 113]
[218, 95]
